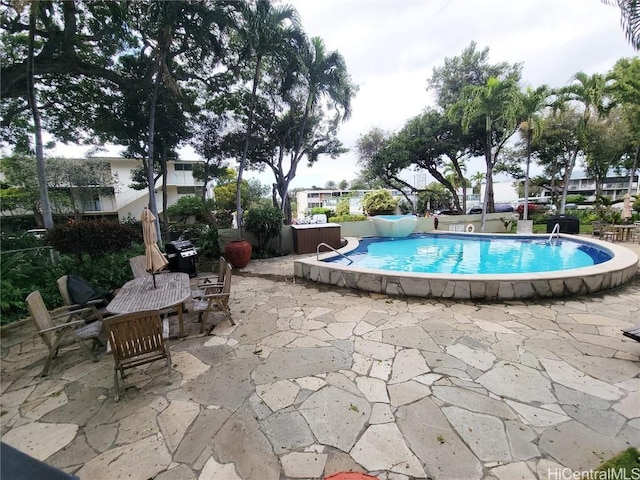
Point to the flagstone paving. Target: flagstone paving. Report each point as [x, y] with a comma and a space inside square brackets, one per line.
[315, 380]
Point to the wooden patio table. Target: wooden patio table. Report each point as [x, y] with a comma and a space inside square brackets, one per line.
[623, 232]
[170, 291]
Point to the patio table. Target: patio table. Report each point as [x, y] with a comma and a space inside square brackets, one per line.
[623, 232]
[171, 290]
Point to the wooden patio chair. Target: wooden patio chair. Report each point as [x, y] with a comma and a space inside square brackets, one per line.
[597, 228]
[214, 299]
[136, 339]
[96, 307]
[64, 334]
[139, 266]
[212, 284]
[608, 233]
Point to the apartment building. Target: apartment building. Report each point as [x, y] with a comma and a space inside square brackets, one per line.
[120, 200]
[614, 186]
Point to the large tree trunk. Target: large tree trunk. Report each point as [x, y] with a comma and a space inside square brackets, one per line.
[150, 177]
[632, 173]
[47, 216]
[566, 177]
[245, 151]
[525, 212]
[487, 200]
[165, 148]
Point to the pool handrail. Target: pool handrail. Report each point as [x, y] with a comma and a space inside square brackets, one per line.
[322, 244]
[556, 230]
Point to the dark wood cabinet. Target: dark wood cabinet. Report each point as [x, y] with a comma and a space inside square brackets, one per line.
[307, 237]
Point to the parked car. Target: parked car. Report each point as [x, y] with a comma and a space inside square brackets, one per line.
[39, 233]
[446, 212]
[499, 208]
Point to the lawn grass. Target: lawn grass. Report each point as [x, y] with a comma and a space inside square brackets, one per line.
[624, 465]
[542, 228]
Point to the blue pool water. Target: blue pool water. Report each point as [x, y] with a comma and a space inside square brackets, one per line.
[471, 254]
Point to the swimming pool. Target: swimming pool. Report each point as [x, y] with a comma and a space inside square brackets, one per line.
[471, 254]
[607, 266]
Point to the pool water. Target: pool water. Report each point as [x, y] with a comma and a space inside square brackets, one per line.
[473, 254]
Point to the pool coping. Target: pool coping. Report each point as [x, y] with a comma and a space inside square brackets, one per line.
[578, 281]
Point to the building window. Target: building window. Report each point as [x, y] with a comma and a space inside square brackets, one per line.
[186, 190]
[183, 166]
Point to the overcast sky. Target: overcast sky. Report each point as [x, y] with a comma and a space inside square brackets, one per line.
[391, 47]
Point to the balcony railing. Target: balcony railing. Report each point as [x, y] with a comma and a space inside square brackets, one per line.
[89, 205]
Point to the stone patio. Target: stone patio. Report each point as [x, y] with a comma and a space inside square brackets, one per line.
[316, 380]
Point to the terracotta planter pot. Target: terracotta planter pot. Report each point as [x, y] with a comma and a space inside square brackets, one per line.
[238, 252]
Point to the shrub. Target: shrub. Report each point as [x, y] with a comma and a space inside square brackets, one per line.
[539, 218]
[265, 223]
[531, 209]
[322, 211]
[379, 202]
[348, 218]
[206, 239]
[404, 207]
[575, 198]
[25, 240]
[190, 206]
[94, 238]
[343, 207]
[23, 273]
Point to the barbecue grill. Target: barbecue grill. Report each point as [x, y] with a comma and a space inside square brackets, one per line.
[182, 257]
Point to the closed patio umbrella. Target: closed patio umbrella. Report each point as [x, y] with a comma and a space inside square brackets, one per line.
[626, 207]
[155, 260]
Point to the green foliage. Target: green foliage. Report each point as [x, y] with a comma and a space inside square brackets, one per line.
[622, 465]
[190, 206]
[265, 223]
[26, 240]
[404, 207]
[25, 272]
[575, 198]
[205, 238]
[343, 207]
[93, 238]
[379, 202]
[348, 218]
[321, 211]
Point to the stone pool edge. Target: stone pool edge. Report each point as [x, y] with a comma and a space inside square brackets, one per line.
[579, 281]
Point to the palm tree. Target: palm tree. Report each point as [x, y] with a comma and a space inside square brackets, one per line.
[496, 105]
[323, 74]
[454, 173]
[476, 180]
[593, 92]
[267, 31]
[533, 102]
[630, 19]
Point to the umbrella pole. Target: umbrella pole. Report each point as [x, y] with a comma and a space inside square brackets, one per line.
[153, 274]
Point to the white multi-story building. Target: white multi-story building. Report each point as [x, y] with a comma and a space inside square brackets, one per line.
[122, 201]
[614, 185]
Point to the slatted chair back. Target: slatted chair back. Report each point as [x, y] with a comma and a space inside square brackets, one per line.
[40, 316]
[211, 284]
[56, 336]
[139, 266]
[64, 291]
[215, 299]
[136, 339]
[94, 314]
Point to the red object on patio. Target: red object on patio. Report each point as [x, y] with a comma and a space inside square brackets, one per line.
[350, 476]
